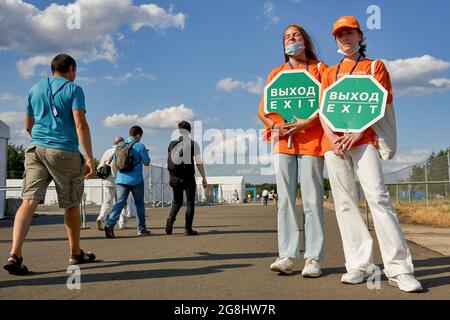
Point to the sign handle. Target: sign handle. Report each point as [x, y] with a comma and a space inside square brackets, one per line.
[289, 142]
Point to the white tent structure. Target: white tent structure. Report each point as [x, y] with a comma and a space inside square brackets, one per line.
[4, 137]
[226, 186]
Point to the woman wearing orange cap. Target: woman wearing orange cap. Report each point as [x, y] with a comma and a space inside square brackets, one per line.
[353, 153]
[304, 155]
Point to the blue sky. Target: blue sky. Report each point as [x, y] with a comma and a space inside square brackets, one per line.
[208, 59]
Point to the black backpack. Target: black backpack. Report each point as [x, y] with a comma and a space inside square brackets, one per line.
[105, 171]
[124, 161]
[180, 169]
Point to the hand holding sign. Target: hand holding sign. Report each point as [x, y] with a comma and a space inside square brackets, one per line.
[353, 104]
[294, 95]
[298, 126]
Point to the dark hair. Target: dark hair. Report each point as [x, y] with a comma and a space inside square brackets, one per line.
[135, 130]
[62, 62]
[362, 44]
[184, 125]
[310, 50]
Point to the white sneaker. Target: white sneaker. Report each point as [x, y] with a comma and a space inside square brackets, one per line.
[354, 277]
[283, 265]
[406, 282]
[311, 269]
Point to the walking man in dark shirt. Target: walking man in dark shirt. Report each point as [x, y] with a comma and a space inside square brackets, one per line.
[180, 163]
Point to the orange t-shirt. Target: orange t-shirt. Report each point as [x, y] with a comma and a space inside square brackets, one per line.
[309, 141]
[364, 67]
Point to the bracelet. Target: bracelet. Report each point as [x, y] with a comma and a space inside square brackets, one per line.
[273, 125]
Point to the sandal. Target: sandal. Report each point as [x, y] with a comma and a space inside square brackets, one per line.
[81, 258]
[16, 267]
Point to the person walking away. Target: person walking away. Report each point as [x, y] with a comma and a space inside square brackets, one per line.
[109, 189]
[55, 119]
[183, 153]
[129, 160]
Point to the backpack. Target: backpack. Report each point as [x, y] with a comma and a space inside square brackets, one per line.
[175, 168]
[124, 160]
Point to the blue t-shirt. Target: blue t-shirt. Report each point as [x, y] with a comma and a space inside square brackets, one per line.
[55, 128]
[140, 156]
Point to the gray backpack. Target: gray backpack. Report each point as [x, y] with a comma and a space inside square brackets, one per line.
[124, 161]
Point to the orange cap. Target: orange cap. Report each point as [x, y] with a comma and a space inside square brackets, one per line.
[345, 22]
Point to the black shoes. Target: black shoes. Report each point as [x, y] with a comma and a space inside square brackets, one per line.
[169, 228]
[190, 232]
[109, 232]
[169, 225]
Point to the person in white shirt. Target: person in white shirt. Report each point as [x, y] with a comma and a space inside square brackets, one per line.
[265, 196]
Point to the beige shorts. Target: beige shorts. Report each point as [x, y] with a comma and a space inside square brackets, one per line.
[65, 168]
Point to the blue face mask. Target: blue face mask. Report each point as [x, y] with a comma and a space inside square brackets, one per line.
[294, 49]
[355, 49]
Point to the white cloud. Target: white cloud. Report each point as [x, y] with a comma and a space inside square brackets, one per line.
[161, 119]
[27, 67]
[418, 75]
[12, 118]
[120, 79]
[120, 120]
[247, 171]
[9, 100]
[405, 159]
[137, 73]
[87, 80]
[265, 158]
[43, 33]
[229, 85]
[209, 120]
[237, 143]
[441, 83]
[269, 12]
[16, 123]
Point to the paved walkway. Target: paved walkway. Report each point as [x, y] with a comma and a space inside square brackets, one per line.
[229, 260]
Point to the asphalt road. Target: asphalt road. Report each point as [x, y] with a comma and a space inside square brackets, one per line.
[230, 259]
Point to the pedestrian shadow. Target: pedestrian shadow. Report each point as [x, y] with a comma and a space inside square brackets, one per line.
[427, 269]
[56, 239]
[123, 276]
[215, 232]
[202, 256]
[195, 227]
[333, 271]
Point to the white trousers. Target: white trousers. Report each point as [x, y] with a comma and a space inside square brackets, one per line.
[109, 199]
[365, 161]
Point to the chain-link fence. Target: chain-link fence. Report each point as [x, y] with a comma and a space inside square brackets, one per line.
[157, 191]
[428, 181]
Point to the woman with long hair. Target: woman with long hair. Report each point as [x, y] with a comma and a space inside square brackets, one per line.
[302, 157]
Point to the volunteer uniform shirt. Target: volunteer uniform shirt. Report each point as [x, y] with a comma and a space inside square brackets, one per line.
[364, 67]
[309, 141]
[50, 130]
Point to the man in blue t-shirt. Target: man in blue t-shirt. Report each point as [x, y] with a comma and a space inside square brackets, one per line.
[131, 181]
[55, 119]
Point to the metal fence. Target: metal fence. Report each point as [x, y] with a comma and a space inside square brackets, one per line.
[428, 181]
[157, 191]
